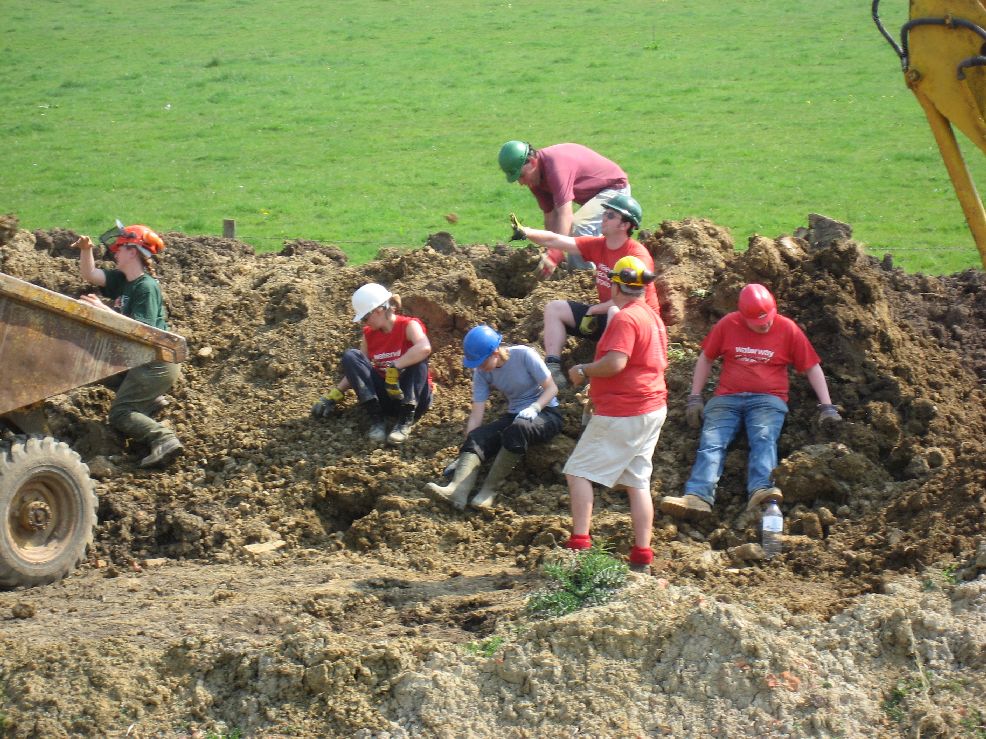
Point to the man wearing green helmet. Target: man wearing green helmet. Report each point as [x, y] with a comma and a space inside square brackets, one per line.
[559, 176]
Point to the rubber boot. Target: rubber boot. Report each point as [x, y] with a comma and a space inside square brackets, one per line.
[378, 425]
[403, 427]
[456, 493]
[505, 461]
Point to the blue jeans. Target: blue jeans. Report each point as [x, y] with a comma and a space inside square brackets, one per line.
[762, 415]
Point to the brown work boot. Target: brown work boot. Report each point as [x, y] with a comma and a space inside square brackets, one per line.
[557, 374]
[763, 495]
[687, 506]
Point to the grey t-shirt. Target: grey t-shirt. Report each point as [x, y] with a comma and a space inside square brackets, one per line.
[519, 379]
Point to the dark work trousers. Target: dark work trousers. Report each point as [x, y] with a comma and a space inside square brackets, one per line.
[512, 433]
[140, 386]
[368, 384]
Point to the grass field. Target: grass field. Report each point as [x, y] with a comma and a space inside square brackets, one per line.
[365, 122]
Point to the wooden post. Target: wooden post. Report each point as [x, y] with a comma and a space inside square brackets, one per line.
[229, 228]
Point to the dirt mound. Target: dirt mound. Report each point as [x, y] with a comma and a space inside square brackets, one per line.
[897, 489]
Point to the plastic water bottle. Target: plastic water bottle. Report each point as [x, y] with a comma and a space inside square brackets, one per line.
[772, 528]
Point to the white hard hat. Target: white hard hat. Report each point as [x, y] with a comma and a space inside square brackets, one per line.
[368, 298]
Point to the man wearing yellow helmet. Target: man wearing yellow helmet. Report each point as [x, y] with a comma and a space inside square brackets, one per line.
[630, 398]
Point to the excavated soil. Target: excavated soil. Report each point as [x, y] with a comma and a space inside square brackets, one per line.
[372, 612]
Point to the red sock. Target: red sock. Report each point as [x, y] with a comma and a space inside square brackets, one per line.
[578, 541]
[641, 556]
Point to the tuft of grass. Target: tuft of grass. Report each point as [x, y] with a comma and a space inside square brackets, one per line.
[975, 723]
[486, 647]
[893, 705]
[586, 578]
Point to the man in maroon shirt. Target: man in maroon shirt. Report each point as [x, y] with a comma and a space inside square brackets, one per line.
[559, 176]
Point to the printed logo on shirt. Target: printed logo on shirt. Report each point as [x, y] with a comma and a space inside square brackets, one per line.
[602, 276]
[382, 357]
[751, 355]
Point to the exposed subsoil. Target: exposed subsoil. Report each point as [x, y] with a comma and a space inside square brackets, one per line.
[359, 619]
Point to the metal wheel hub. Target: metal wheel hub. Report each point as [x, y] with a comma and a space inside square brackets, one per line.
[35, 515]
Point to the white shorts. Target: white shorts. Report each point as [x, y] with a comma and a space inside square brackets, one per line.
[618, 450]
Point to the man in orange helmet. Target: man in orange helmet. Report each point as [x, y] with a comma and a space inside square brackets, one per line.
[136, 294]
[757, 345]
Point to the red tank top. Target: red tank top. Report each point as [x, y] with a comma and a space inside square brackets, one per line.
[388, 347]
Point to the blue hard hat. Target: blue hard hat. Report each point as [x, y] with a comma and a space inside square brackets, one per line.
[478, 344]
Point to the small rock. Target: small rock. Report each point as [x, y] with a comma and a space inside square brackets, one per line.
[811, 525]
[205, 352]
[265, 546]
[100, 468]
[825, 516]
[750, 552]
[155, 562]
[23, 610]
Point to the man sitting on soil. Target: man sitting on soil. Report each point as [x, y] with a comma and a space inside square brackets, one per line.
[562, 318]
[756, 345]
[630, 398]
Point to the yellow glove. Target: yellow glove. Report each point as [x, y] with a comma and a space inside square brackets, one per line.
[392, 378]
[588, 325]
[518, 234]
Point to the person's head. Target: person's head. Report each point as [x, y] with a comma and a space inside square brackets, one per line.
[626, 210]
[139, 241]
[630, 278]
[758, 307]
[518, 160]
[374, 305]
[479, 345]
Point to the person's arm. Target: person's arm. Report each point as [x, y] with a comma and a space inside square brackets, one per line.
[475, 416]
[703, 366]
[87, 262]
[600, 308]
[560, 219]
[816, 378]
[611, 363]
[548, 391]
[420, 349]
[551, 240]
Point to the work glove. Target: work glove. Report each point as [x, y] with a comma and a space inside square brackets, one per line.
[518, 234]
[530, 412]
[588, 324]
[695, 411]
[546, 265]
[827, 413]
[392, 378]
[327, 406]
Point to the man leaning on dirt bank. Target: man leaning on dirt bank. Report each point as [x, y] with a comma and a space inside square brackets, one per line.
[558, 176]
[563, 318]
[135, 294]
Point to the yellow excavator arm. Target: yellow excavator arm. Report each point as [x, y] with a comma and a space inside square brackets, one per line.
[942, 51]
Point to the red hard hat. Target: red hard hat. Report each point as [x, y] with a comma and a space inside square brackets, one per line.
[148, 242]
[757, 305]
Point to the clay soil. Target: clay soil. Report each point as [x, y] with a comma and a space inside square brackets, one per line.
[374, 612]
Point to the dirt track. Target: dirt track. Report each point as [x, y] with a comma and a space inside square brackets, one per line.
[872, 624]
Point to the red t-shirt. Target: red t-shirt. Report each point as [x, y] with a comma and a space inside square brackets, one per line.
[383, 347]
[638, 332]
[594, 249]
[757, 363]
[572, 172]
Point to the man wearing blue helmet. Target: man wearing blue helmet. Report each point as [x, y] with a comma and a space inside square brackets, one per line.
[532, 416]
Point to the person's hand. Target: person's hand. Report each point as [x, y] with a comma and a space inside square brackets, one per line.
[327, 405]
[828, 413]
[94, 300]
[695, 411]
[82, 243]
[576, 375]
[518, 234]
[588, 324]
[392, 378]
[546, 267]
[530, 412]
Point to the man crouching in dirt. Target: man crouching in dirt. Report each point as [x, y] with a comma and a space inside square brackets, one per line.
[136, 294]
[389, 372]
[630, 398]
[756, 345]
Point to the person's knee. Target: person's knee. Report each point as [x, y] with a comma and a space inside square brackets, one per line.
[556, 311]
[514, 439]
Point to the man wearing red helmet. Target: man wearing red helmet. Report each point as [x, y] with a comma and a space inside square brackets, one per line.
[757, 345]
[136, 294]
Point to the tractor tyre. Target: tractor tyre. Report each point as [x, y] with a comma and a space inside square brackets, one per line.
[47, 511]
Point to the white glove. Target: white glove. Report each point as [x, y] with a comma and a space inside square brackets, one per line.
[530, 412]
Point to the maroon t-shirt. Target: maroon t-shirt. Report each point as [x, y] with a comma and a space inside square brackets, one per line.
[572, 172]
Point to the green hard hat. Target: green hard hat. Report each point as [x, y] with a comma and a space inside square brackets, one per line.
[513, 156]
[627, 206]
